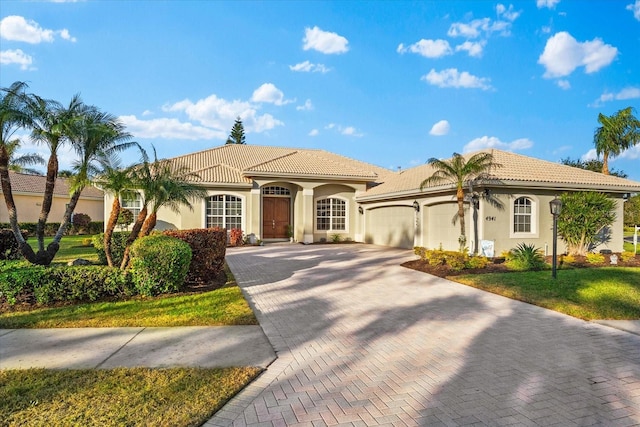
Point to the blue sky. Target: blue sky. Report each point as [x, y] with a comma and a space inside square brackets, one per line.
[390, 83]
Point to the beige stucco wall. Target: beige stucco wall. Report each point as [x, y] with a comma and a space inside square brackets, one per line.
[29, 206]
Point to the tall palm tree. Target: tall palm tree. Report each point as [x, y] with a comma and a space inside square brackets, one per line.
[15, 113]
[20, 163]
[52, 127]
[460, 171]
[116, 181]
[618, 132]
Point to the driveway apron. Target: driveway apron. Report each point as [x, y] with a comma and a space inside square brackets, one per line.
[363, 341]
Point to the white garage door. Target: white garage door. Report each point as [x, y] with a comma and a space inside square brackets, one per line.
[390, 226]
[439, 228]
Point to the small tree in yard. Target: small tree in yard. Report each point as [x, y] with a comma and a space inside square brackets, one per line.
[583, 221]
[632, 211]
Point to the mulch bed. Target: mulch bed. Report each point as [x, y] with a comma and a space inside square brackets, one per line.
[498, 266]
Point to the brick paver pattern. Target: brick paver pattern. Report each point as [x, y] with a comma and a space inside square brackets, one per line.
[363, 341]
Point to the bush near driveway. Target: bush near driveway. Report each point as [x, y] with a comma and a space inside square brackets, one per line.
[208, 247]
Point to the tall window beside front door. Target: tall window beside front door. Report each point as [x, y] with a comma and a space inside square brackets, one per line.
[133, 202]
[331, 214]
[522, 214]
[224, 211]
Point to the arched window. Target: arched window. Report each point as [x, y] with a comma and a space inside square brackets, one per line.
[224, 211]
[331, 214]
[522, 215]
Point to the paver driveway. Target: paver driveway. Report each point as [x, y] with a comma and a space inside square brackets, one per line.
[363, 341]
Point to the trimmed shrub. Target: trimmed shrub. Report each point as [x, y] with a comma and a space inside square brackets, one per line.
[454, 259]
[9, 248]
[627, 256]
[51, 228]
[118, 245]
[525, 257]
[208, 247]
[595, 258]
[421, 251]
[235, 237]
[44, 285]
[477, 262]
[159, 264]
[81, 222]
[567, 259]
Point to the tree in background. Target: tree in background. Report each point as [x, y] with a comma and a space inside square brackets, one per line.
[593, 165]
[460, 171]
[618, 132]
[584, 220]
[632, 211]
[237, 133]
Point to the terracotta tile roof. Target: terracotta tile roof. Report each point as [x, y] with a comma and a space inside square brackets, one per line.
[25, 183]
[516, 170]
[235, 164]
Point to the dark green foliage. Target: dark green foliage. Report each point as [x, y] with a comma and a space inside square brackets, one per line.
[159, 264]
[208, 247]
[118, 245]
[125, 218]
[81, 222]
[632, 211]
[593, 165]
[9, 248]
[237, 133]
[51, 228]
[525, 257]
[21, 281]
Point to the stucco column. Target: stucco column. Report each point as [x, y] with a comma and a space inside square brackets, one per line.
[254, 213]
[308, 215]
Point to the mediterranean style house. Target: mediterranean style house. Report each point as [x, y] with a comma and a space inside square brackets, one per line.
[28, 191]
[274, 193]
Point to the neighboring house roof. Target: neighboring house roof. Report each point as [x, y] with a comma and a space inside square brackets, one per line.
[516, 171]
[238, 163]
[24, 184]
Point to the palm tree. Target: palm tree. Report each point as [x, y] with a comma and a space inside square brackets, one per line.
[460, 171]
[116, 181]
[618, 132]
[15, 114]
[21, 163]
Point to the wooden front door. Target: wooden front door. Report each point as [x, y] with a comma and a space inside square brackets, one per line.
[276, 214]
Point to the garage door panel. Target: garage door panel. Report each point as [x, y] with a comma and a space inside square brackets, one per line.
[440, 229]
[390, 226]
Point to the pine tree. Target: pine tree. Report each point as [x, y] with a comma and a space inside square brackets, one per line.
[237, 133]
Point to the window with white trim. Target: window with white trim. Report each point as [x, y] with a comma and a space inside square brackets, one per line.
[133, 202]
[276, 191]
[331, 214]
[522, 215]
[224, 211]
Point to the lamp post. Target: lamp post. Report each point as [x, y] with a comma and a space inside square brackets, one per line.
[556, 207]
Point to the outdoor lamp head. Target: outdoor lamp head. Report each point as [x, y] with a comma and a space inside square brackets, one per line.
[556, 206]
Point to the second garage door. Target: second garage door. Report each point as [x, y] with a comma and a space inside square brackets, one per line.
[390, 226]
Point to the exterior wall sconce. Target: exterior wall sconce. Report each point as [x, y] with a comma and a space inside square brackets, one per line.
[360, 210]
[416, 206]
[555, 206]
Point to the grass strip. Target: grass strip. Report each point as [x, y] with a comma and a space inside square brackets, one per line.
[221, 307]
[117, 397]
[590, 293]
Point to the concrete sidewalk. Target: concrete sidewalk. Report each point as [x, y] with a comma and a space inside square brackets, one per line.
[105, 348]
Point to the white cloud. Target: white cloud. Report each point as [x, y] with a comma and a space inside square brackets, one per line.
[473, 48]
[451, 77]
[563, 54]
[440, 128]
[551, 4]
[626, 93]
[507, 13]
[564, 84]
[269, 93]
[307, 67]
[314, 132]
[493, 142]
[16, 56]
[632, 153]
[17, 28]
[589, 155]
[427, 48]
[635, 8]
[324, 41]
[344, 130]
[147, 113]
[470, 30]
[306, 106]
[168, 128]
[220, 114]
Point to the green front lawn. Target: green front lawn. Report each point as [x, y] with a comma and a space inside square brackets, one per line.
[117, 397]
[586, 293]
[71, 247]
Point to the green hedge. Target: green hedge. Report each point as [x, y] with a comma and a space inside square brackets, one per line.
[118, 245]
[159, 264]
[51, 228]
[21, 281]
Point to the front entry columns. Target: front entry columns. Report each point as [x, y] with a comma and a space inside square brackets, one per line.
[308, 215]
